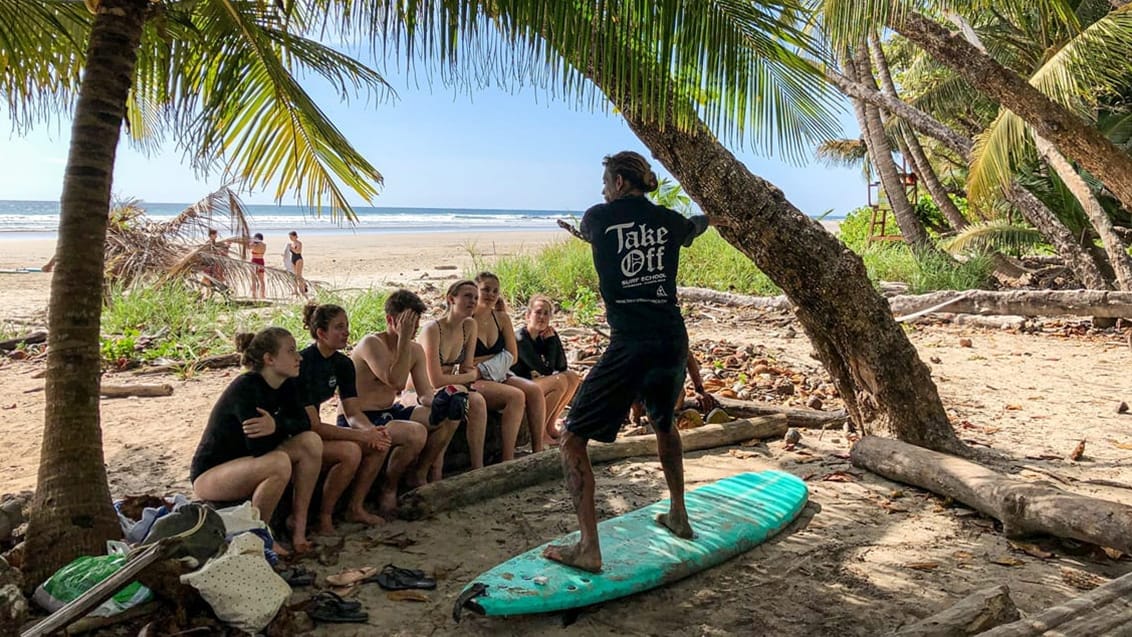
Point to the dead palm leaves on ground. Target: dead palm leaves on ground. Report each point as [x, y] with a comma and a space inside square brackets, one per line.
[142, 249]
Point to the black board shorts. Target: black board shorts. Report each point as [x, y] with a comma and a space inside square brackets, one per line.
[651, 371]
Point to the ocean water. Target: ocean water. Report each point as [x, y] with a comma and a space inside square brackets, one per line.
[20, 219]
[42, 218]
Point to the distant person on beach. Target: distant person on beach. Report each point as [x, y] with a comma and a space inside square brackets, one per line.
[216, 248]
[385, 363]
[542, 359]
[258, 437]
[449, 345]
[505, 392]
[259, 249]
[636, 251]
[296, 248]
[355, 452]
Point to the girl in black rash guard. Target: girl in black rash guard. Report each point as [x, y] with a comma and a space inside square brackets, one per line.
[258, 437]
[543, 360]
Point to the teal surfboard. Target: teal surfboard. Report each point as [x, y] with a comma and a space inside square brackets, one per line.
[730, 516]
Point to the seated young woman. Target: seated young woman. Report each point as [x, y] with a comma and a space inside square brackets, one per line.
[510, 395]
[258, 437]
[353, 454]
[543, 361]
[449, 345]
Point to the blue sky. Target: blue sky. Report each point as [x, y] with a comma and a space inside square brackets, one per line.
[435, 148]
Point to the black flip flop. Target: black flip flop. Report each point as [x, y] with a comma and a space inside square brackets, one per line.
[297, 576]
[394, 578]
[328, 607]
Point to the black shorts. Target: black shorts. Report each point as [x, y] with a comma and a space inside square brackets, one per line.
[381, 417]
[651, 371]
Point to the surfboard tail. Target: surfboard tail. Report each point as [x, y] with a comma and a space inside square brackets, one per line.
[467, 600]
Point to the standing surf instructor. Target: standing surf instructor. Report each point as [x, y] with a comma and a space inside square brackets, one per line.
[636, 251]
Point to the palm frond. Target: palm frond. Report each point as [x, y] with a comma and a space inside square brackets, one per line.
[995, 235]
[847, 153]
[1066, 79]
[744, 60]
[221, 76]
[222, 205]
[42, 52]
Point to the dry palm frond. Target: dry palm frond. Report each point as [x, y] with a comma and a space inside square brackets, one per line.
[139, 249]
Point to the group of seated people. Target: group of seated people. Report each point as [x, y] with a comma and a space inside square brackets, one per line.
[265, 432]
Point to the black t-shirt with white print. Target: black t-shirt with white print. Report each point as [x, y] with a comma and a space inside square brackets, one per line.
[636, 250]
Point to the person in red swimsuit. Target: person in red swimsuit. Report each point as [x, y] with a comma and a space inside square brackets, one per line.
[259, 248]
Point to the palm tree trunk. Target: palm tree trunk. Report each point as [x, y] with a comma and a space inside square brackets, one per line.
[912, 146]
[1080, 262]
[1102, 223]
[72, 513]
[872, 128]
[1071, 135]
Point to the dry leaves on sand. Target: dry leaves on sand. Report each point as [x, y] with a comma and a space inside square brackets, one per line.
[1032, 550]
[1006, 560]
[922, 566]
[1081, 580]
[408, 596]
[1077, 452]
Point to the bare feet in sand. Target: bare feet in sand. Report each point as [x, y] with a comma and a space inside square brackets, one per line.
[325, 525]
[300, 544]
[387, 504]
[678, 524]
[364, 517]
[574, 555]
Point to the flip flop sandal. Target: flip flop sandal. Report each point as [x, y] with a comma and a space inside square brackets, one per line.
[352, 576]
[393, 578]
[297, 576]
[329, 611]
[330, 597]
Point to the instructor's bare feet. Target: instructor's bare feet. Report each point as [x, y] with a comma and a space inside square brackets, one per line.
[364, 517]
[678, 524]
[574, 555]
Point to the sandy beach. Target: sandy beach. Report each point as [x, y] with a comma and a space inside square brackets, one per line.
[342, 261]
[868, 556]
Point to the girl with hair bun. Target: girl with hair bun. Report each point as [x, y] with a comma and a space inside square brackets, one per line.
[258, 438]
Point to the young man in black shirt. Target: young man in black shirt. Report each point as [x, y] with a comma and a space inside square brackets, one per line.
[636, 250]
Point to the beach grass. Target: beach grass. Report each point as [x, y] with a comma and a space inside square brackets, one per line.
[188, 327]
[562, 270]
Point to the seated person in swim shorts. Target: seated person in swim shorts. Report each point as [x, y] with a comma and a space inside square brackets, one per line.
[384, 363]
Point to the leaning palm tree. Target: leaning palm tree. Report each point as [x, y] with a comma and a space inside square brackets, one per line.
[654, 62]
[218, 76]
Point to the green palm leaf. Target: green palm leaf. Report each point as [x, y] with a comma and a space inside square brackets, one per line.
[741, 63]
[42, 51]
[995, 235]
[1094, 61]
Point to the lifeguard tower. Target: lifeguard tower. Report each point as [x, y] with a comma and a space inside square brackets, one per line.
[880, 206]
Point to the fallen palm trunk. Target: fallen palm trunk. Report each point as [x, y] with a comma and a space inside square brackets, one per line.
[218, 361]
[31, 338]
[482, 484]
[142, 391]
[971, 615]
[795, 416]
[985, 302]
[1023, 507]
[1106, 610]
